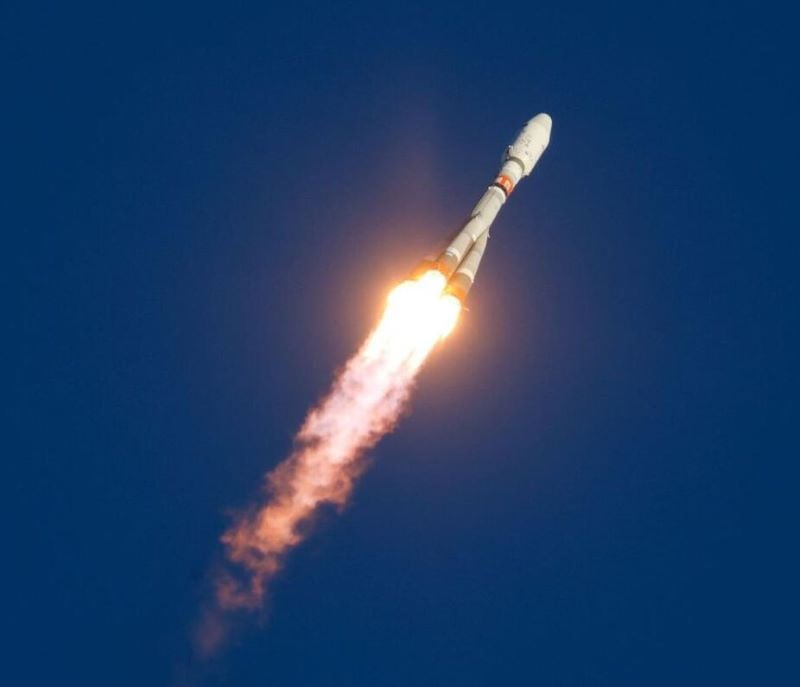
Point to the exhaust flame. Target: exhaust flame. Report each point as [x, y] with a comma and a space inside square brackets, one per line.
[364, 403]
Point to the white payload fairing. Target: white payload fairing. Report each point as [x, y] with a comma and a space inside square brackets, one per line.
[460, 260]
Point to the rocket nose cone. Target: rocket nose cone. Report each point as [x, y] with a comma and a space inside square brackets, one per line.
[545, 123]
[531, 142]
[543, 120]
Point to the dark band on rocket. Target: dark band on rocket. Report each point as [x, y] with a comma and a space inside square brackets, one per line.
[504, 183]
[447, 263]
[459, 286]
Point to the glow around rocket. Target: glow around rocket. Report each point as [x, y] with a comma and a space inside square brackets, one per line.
[363, 404]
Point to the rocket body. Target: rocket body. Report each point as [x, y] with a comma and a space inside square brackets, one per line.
[461, 259]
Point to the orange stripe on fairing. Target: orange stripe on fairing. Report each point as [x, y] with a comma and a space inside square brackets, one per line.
[505, 183]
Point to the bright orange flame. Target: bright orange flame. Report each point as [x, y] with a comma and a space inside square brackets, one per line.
[418, 315]
[365, 402]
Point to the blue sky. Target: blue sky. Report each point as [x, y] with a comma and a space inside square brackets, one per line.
[205, 207]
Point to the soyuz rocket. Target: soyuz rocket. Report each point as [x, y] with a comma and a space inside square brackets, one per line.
[460, 260]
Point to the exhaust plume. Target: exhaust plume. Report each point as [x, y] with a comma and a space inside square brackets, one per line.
[364, 403]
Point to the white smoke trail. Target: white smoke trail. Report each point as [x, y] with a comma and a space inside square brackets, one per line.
[364, 403]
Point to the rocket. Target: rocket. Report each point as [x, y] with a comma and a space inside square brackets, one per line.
[460, 260]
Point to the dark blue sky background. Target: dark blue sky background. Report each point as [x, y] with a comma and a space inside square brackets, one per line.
[204, 208]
